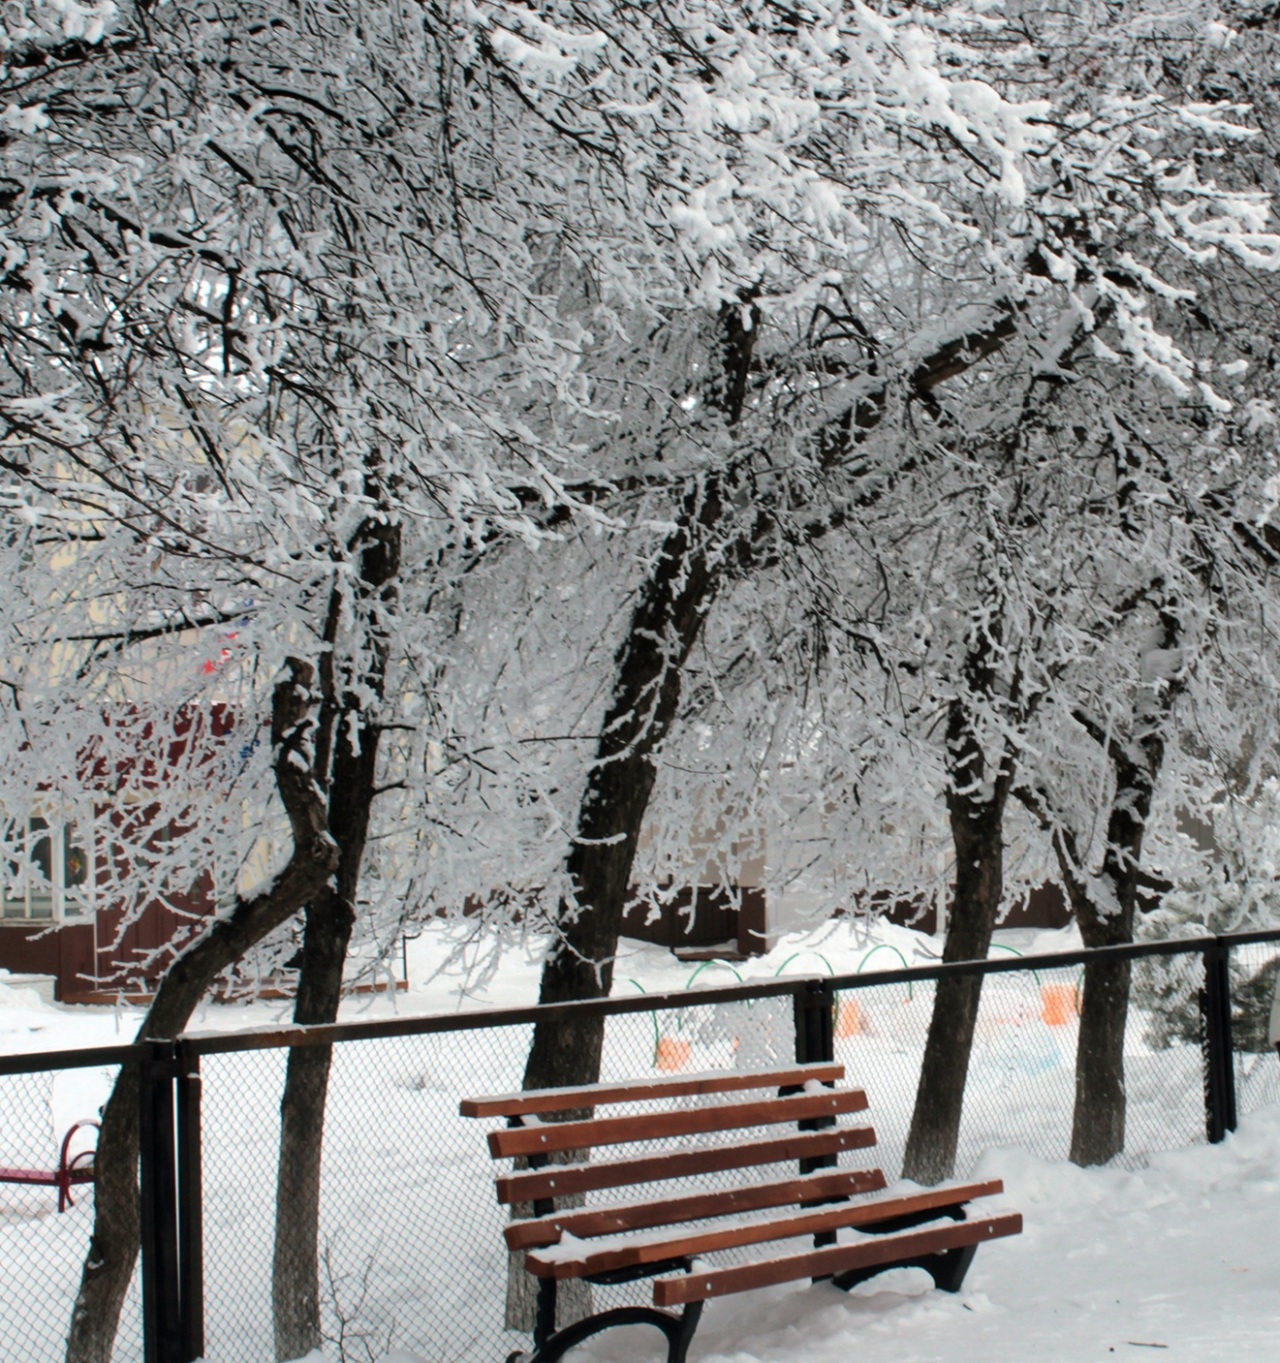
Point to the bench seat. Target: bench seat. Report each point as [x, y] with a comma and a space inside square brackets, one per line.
[580, 1257]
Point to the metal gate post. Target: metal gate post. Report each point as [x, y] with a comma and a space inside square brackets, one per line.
[190, 1205]
[816, 1041]
[1216, 1043]
[161, 1302]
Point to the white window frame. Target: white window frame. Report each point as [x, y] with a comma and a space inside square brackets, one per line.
[27, 895]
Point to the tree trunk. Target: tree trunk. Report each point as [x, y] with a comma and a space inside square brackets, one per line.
[573, 1295]
[977, 830]
[1097, 1125]
[664, 626]
[113, 1246]
[295, 1269]
[663, 629]
[347, 758]
[1098, 1120]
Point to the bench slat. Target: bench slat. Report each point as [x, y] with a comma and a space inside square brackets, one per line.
[706, 1240]
[836, 1259]
[564, 1180]
[535, 1101]
[591, 1222]
[651, 1126]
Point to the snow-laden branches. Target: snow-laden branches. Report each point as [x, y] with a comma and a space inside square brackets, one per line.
[266, 287]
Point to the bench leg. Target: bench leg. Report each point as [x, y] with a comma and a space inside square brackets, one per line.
[952, 1264]
[679, 1331]
[680, 1339]
[947, 1269]
[544, 1325]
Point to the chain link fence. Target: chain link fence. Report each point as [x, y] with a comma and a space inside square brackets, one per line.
[42, 1250]
[412, 1257]
[1020, 1089]
[1254, 968]
[411, 1232]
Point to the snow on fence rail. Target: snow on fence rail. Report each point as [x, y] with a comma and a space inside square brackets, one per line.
[412, 1255]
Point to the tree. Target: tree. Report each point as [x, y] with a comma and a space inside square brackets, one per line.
[1190, 507]
[760, 367]
[260, 299]
[1076, 272]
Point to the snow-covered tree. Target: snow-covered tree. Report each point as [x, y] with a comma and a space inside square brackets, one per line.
[278, 321]
[310, 312]
[942, 330]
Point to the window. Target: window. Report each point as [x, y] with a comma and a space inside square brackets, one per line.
[47, 878]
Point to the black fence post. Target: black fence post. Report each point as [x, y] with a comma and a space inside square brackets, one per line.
[815, 1022]
[158, 1174]
[815, 1042]
[1216, 1043]
[190, 1205]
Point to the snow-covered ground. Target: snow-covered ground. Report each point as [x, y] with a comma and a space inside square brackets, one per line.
[1177, 1258]
[1180, 1260]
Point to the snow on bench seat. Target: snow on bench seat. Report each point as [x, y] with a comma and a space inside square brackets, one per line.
[575, 1257]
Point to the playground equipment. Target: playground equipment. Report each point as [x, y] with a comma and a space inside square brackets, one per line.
[672, 1049]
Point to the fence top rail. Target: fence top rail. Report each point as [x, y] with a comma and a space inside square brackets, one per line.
[208, 1043]
[34, 1062]
[1173, 946]
[212, 1043]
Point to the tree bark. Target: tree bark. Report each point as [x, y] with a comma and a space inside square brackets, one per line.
[113, 1245]
[567, 1052]
[663, 630]
[1098, 1117]
[976, 801]
[1106, 906]
[295, 1268]
[347, 760]
[1098, 1121]
[648, 677]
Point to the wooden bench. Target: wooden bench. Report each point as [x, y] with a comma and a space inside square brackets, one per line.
[720, 1143]
[71, 1169]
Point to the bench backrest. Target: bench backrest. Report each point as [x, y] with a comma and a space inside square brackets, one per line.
[757, 1118]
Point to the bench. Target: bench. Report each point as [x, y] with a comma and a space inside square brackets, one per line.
[71, 1169]
[722, 1143]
